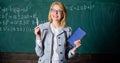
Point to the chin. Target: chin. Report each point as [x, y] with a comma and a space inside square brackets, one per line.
[56, 19]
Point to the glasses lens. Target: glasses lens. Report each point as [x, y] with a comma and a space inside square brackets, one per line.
[56, 11]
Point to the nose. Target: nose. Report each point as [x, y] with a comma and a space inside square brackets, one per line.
[56, 12]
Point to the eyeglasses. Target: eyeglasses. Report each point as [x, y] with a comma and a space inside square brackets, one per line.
[56, 11]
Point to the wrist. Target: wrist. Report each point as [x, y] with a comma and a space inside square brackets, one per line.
[74, 49]
[38, 37]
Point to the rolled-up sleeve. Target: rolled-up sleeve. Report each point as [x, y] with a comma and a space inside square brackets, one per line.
[39, 48]
[71, 54]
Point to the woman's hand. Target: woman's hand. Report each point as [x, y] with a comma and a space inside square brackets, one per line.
[77, 44]
[37, 32]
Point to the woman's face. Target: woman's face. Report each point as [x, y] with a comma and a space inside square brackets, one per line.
[56, 13]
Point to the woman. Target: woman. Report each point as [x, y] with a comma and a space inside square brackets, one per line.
[51, 37]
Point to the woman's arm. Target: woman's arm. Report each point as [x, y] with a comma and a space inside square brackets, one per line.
[38, 47]
[72, 50]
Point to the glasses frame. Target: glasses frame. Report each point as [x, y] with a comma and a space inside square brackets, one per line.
[57, 11]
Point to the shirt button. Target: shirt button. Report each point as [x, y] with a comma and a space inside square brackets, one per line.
[59, 44]
[61, 60]
[58, 37]
[60, 52]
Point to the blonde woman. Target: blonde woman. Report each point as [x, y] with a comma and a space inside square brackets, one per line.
[51, 37]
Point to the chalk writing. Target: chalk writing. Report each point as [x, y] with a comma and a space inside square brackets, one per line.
[16, 18]
[18, 29]
[79, 7]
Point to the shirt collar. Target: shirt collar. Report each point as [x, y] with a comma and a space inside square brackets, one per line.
[60, 29]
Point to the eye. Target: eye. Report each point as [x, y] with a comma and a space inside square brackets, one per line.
[59, 11]
[56, 11]
[52, 10]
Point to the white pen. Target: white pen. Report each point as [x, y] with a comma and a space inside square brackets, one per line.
[37, 21]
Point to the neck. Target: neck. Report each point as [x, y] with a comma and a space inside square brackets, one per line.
[56, 24]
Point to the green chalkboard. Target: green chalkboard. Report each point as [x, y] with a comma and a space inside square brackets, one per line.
[99, 18]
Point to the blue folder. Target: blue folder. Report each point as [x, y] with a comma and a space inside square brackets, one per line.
[77, 35]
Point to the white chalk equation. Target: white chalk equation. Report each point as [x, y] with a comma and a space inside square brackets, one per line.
[19, 26]
[80, 7]
[20, 19]
[16, 29]
[17, 16]
[31, 22]
[14, 9]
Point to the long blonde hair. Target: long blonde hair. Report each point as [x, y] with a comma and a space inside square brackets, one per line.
[64, 12]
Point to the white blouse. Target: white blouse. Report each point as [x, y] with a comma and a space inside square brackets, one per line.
[55, 32]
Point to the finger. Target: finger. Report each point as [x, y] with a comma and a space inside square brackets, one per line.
[36, 28]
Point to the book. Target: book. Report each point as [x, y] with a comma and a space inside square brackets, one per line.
[77, 35]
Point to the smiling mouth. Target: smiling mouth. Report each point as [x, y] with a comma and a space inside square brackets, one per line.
[55, 16]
